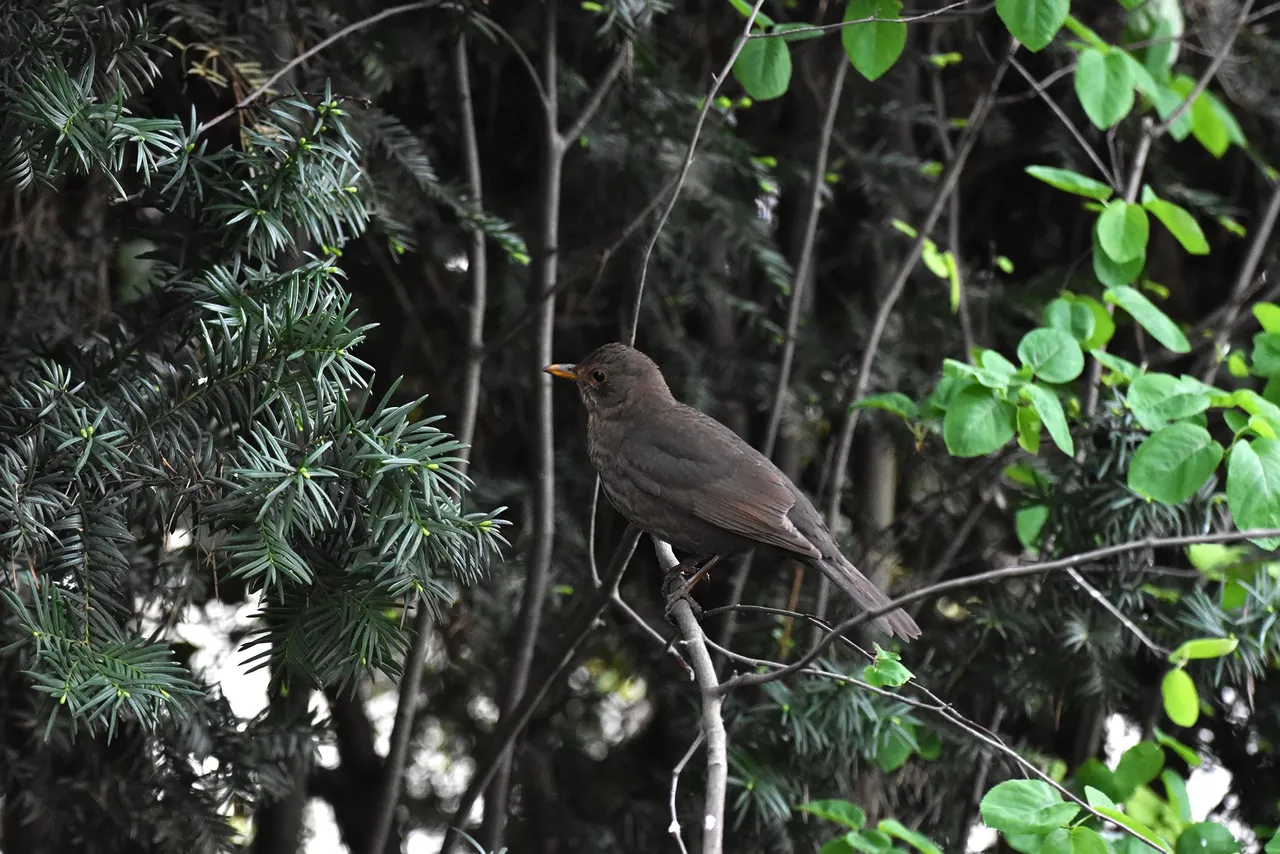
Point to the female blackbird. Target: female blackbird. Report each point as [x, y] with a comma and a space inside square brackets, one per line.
[683, 477]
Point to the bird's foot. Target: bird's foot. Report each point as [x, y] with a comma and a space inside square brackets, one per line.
[676, 586]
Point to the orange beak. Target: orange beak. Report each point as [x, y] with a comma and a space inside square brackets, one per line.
[568, 372]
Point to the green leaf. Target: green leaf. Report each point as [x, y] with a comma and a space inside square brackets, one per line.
[978, 422]
[744, 9]
[918, 841]
[1273, 847]
[764, 68]
[1137, 827]
[996, 363]
[1123, 367]
[1033, 22]
[1149, 317]
[1026, 806]
[1181, 225]
[1029, 429]
[841, 812]
[1057, 842]
[1266, 354]
[1103, 326]
[1138, 766]
[1268, 315]
[1109, 272]
[1097, 798]
[1173, 463]
[893, 750]
[1207, 837]
[1203, 648]
[870, 842]
[1210, 556]
[890, 401]
[933, 259]
[1123, 231]
[873, 47]
[1157, 399]
[1049, 408]
[886, 672]
[1168, 742]
[1053, 355]
[1104, 85]
[1071, 316]
[1208, 128]
[1027, 523]
[1253, 487]
[1176, 790]
[1071, 182]
[1181, 703]
[1085, 840]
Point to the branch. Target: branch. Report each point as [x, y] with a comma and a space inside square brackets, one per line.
[800, 282]
[1244, 280]
[674, 827]
[603, 85]
[307, 54]
[712, 719]
[1219, 57]
[1066, 120]
[577, 626]
[965, 145]
[754, 679]
[1117, 613]
[406, 704]
[716, 83]
[822, 28]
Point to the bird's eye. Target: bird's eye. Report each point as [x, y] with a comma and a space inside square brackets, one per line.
[598, 376]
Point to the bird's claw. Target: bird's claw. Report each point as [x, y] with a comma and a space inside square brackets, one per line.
[679, 583]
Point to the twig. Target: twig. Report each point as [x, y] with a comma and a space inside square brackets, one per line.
[712, 720]
[804, 264]
[597, 96]
[716, 83]
[967, 140]
[822, 28]
[307, 54]
[578, 627]
[674, 827]
[1244, 280]
[752, 679]
[477, 267]
[1070, 125]
[1219, 57]
[1117, 613]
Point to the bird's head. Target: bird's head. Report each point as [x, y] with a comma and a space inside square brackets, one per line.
[613, 376]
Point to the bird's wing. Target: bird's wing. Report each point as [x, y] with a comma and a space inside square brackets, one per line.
[725, 483]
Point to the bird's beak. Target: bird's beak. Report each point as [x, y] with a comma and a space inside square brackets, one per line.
[569, 372]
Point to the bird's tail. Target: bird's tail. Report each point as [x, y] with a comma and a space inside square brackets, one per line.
[860, 589]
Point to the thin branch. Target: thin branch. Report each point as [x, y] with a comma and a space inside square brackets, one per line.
[1117, 613]
[491, 24]
[967, 140]
[752, 679]
[674, 827]
[804, 264]
[1219, 57]
[716, 83]
[477, 267]
[307, 54]
[822, 28]
[578, 626]
[712, 718]
[603, 85]
[1244, 280]
[1070, 125]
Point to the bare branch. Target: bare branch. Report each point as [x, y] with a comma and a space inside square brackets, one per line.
[712, 719]
[909, 19]
[716, 83]
[603, 85]
[1116, 612]
[578, 626]
[477, 267]
[754, 679]
[674, 827]
[307, 54]
[1066, 121]
[1219, 57]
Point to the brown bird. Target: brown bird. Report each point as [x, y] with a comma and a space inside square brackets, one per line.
[683, 477]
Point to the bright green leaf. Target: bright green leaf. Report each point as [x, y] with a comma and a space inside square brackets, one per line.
[873, 47]
[1104, 84]
[1071, 182]
[1108, 271]
[891, 401]
[1181, 702]
[1049, 408]
[1026, 806]
[1266, 354]
[1253, 487]
[1168, 742]
[1174, 462]
[1052, 354]
[1138, 766]
[1207, 837]
[1027, 523]
[1071, 316]
[1137, 827]
[1150, 318]
[1123, 231]
[1181, 225]
[764, 68]
[1157, 399]
[1029, 429]
[1268, 315]
[1124, 368]
[1203, 648]
[843, 813]
[1176, 790]
[1085, 840]
[918, 841]
[978, 422]
[1033, 22]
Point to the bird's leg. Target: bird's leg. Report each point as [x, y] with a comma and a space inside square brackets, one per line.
[673, 593]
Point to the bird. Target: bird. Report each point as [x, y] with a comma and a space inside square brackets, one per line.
[683, 477]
